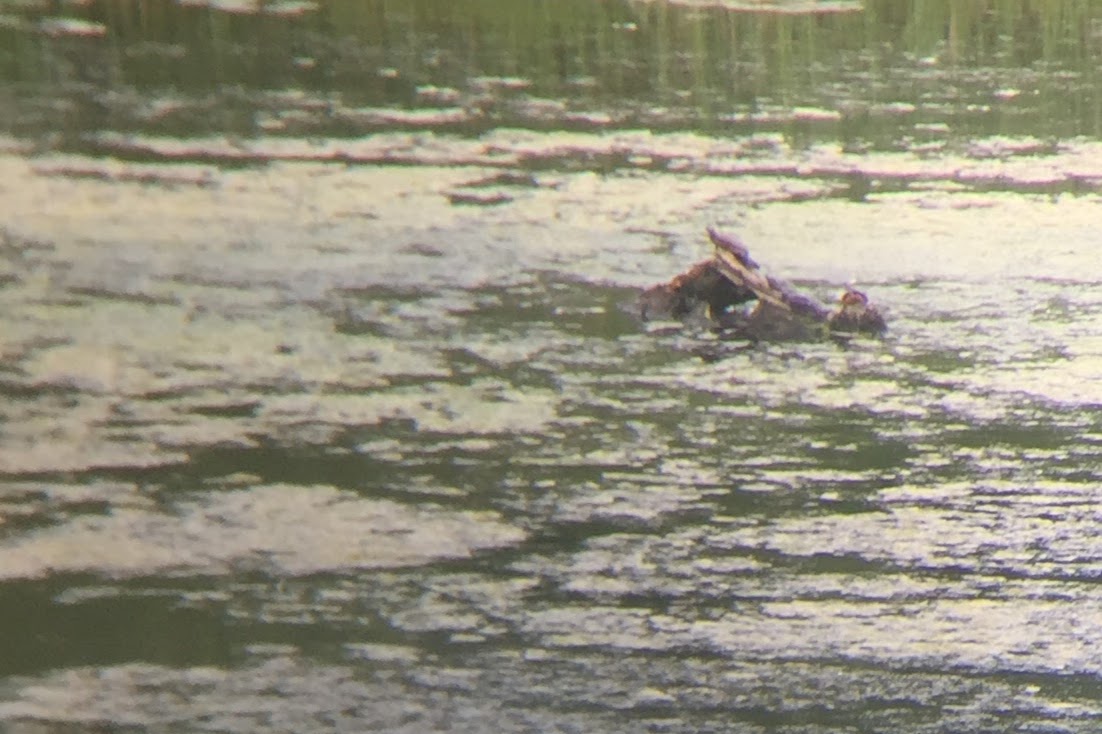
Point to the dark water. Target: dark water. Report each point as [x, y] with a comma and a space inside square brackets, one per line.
[324, 408]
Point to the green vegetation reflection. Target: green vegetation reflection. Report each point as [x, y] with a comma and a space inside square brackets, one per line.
[657, 63]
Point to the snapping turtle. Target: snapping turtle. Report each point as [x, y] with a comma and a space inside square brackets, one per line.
[732, 278]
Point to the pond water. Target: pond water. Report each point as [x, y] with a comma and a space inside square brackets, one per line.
[325, 407]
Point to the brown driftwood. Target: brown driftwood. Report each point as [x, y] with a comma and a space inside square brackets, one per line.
[732, 278]
[701, 285]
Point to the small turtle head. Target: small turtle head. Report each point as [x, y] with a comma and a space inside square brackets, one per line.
[853, 297]
[855, 313]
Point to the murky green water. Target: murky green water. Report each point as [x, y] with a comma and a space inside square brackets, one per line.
[324, 408]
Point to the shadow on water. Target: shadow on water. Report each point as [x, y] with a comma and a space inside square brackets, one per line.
[114, 629]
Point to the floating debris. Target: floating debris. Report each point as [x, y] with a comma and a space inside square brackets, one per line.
[72, 27]
[732, 278]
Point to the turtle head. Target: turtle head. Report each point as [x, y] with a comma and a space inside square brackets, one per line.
[855, 313]
[852, 298]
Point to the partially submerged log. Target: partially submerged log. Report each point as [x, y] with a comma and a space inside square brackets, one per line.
[732, 278]
[704, 284]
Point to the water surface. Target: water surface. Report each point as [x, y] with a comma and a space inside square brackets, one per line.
[325, 408]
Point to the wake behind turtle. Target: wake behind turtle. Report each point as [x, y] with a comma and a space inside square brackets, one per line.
[726, 285]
